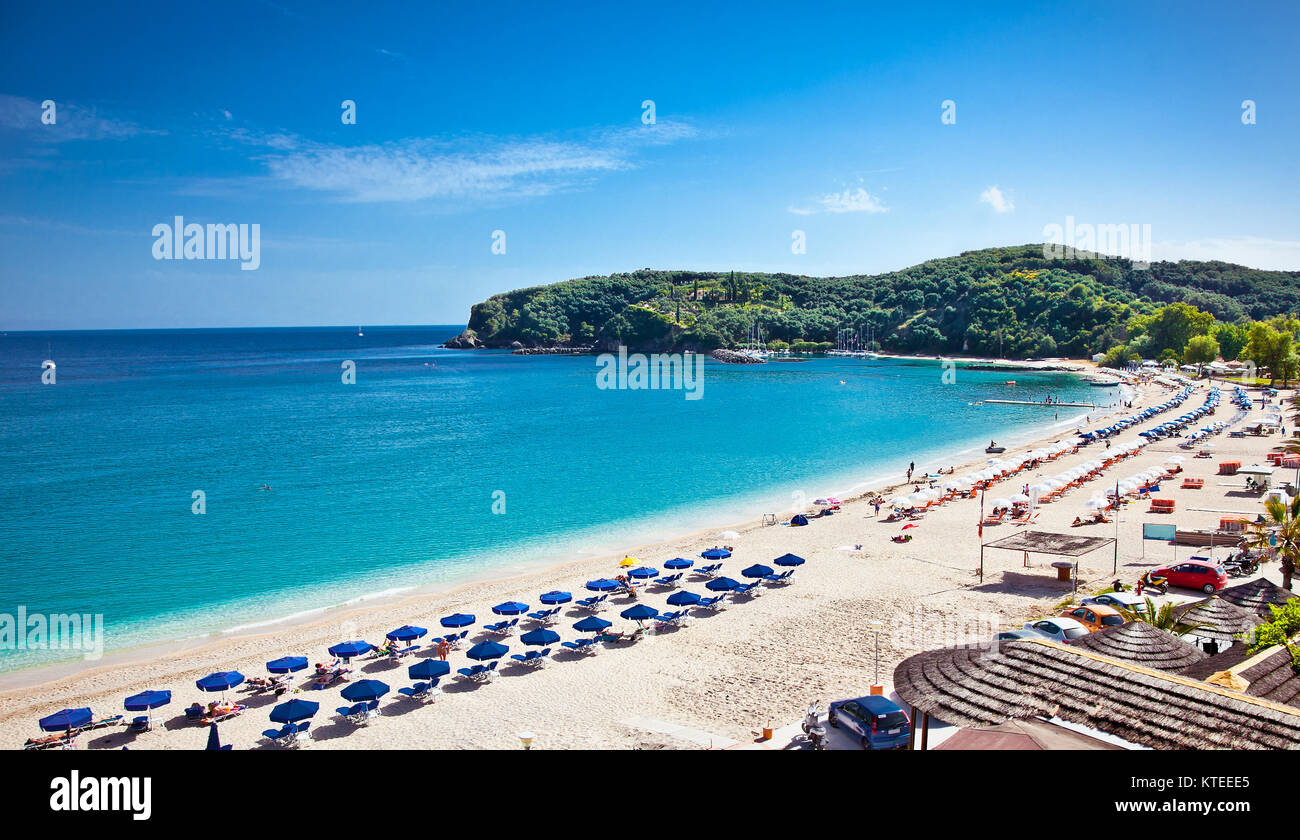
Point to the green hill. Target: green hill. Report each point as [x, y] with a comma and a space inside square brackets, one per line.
[1001, 301]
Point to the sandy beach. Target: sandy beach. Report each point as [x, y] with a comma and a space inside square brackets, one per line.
[759, 661]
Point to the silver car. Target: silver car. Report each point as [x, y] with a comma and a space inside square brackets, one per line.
[1059, 629]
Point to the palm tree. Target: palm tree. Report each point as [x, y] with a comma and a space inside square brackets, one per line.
[1162, 618]
[1279, 532]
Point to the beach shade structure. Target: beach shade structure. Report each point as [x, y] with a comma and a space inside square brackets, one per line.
[363, 691]
[640, 612]
[510, 608]
[286, 664]
[1215, 618]
[715, 554]
[642, 572]
[603, 585]
[789, 560]
[722, 584]
[628, 561]
[758, 570]
[540, 636]
[67, 720]
[591, 624]
[429, 669]
[679, 563]
[348, 650]
[797, 519]
[294, 711]
[457, 620]
[146, 700]
[214, 740]
[484, 651]
[406, 633]
[1139, 643]
[221, 681]
[682, 598]
[1256, 596]
[555, 596]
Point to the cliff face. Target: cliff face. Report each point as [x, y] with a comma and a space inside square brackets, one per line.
[1013, 302]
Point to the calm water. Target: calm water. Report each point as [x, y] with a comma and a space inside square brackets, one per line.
[388, 483]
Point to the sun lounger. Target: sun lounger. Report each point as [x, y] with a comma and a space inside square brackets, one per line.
[289, 735]
[711, 604]
[594, 603]
[533, 658]
[671, 619]
[421, 690]
[62, 741]
[781, 578]
[669, 581]
[752, 590]
[545, 616]
[708, 571]
[224, 713]
[502, 628]
[1193, 483]
[583, 645]
[359, 714]
[473, 672]
[140, 723]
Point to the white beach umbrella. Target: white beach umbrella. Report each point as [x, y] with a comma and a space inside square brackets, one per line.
[1020, 499]
[1095, 502]
[1000, 503]
[900, 503]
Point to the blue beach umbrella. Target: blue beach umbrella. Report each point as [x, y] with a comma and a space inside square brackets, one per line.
[214, 740]
[643, 572]
[679, 563]
[715, 554]
[294, 711]
[286, 664]
[428, 669]
[363, 691]
[591, 624]
[683, 599]
[540, 636]
[789, 560]
[66, 719]
[603, 585]
[220, 681]
[556, 597]
[510, 608]
[758, 570]
[640, 612]
[348, 650]
[146, 700]
[484, 651]
[457, 620]
[722, 584]
[406, 633]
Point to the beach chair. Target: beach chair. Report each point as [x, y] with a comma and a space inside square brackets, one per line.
[708, 571]
[781, 578]
[111, 720]
[62, 741]
[671, 619]
[421, 690]
[583, 645]
[544, 616]
[194, 713]
[751, 590]
[472, 673]
[502, 628]
[140, 724]
[669, 581]
[713, 604]
[224, 714]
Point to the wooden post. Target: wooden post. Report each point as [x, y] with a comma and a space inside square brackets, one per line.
[911, 731]
[925, 731]
[981, 563]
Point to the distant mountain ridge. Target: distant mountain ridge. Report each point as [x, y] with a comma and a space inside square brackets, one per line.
[1010, 301]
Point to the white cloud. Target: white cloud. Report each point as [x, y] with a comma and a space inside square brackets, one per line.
[71, 121]
[430, 169]
[848, 201]
[994, 198]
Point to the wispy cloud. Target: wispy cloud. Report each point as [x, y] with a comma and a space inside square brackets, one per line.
[72, 122]
[477, 169]
[1250, 251]
[995, 198]
[848, 201]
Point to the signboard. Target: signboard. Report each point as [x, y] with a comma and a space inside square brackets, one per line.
[1154, 531]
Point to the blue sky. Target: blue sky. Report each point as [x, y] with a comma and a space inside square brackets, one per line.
[527, 118]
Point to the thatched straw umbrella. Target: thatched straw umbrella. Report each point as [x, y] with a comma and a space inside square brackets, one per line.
[1257, 595]
[1142, 644]
[975, 686]
[1215, 618]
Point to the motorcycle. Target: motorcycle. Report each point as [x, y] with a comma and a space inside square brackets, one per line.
[813, 728]
[1152, 582]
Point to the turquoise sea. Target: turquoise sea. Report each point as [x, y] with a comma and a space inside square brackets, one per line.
[389, 483]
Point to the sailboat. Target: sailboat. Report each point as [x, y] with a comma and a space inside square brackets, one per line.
[359, 332]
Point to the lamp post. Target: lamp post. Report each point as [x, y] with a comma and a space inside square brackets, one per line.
[875, 630]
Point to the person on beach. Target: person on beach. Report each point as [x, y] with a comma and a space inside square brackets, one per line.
[443, 649]
[875, 503]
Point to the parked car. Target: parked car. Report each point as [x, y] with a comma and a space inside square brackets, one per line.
[1194, 574]
[1059, 629]
[1118, 600]
[1094, 616]
[1013, 635]
[878, 721]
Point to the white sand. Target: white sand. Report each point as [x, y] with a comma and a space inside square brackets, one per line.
[758, 661]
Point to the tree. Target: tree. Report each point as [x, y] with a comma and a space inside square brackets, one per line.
[1165, 617]
[1200, 350]
[1279, 534]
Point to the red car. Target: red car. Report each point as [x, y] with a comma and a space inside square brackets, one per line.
[1194, 574]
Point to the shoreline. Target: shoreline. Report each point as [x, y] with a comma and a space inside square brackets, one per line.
[512, 577]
